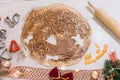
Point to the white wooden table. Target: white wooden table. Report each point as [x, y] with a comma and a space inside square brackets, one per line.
[100, 34]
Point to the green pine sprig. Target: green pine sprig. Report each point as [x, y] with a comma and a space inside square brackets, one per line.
[112, 70]
[1, 75]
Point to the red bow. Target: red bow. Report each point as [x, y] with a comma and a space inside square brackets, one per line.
[56, 75]
[14, 47]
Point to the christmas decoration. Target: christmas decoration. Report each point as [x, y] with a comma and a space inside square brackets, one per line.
[56, 75]
[0, 60]
[14, 47]
[32, 73]
[99, 53]
[113, 56]
[0, 75]
[95, 75]
[4, 67]
[7, 64]
[17, 74]
[112, 67]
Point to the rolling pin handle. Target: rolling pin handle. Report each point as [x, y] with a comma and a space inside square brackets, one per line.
[102, 15]
[91, 5]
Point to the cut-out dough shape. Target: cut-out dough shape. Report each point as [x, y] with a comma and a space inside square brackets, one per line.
[78, 40]
[51, 40]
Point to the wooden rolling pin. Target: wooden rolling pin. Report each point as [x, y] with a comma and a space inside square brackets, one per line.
[112, 24]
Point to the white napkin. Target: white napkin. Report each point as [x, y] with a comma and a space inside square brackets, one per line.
[6, 1]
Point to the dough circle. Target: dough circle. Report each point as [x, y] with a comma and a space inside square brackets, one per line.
[61, 22]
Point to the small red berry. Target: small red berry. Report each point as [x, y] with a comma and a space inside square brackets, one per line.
[0, 18]
[0, 60]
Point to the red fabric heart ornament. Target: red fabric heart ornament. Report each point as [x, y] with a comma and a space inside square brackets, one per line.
[56, 75]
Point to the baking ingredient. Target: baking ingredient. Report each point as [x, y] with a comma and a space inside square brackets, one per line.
[88, 56]
[97, 46]
[98, 51]
[88, 61]
[98, 56]
[64, 25]
[103, 52]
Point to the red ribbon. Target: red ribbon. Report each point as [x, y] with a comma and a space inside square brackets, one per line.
[56, 75]
[14, 47]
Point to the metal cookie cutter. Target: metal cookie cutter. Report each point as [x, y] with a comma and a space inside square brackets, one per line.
[2, 35]
[7, 55]
[9, 22]
[2, 45]
[16, 18]
[14, 21]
